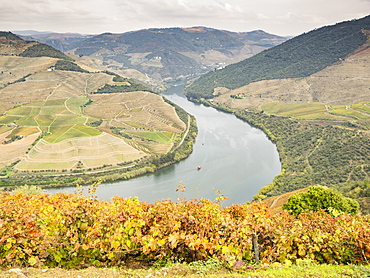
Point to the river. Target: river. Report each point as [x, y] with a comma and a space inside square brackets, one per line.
[234, 157]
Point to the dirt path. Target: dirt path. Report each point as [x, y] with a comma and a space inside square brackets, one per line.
[275, 201]
[185, 134]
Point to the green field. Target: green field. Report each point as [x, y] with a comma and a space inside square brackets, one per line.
[68, 120]
[342, 110]
[160, 137]
[51, 110]
[61, 133]
[4, 120]
[27, 121]
[48, 115]
[363, 106]
[44, 120]
[298, 110]
[24, 110]
[23, 131]
[50, 165]
[74, 104]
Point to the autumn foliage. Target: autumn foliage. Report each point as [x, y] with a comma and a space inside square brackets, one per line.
[66, 230]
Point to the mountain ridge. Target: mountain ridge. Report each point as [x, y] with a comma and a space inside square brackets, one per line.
[167, 54]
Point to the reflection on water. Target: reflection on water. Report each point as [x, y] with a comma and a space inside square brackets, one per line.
[235, 158]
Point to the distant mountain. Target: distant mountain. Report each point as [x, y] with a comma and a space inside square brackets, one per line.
[30, 32]
[62, 42]
[298, 57]
[11, 44]
[168, 54]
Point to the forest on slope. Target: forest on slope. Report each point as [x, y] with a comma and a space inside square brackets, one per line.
[300, 56]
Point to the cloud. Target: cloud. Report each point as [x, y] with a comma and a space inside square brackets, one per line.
[164, 9]
[52, 15]
[285, 17]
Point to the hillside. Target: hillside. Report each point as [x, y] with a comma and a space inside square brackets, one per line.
[298, 57]
[344, 83]
[168, 54]
[62, 121]
[320, 121]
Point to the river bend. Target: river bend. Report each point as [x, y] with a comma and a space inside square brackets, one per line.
[234, 157]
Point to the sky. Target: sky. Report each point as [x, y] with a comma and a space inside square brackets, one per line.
[279, 17]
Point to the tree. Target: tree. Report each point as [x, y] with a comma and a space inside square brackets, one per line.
[320, 198]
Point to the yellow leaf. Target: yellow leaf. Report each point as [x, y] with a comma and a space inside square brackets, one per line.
[161, 242]
[85, 246]
[129, 244]
[32, 261]
[301, 250]
[111, 255]
[115, 244]
[8, 246]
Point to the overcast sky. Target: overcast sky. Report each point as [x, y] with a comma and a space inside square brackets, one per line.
[280, 17]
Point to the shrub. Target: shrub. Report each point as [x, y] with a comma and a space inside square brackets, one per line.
[320, 198]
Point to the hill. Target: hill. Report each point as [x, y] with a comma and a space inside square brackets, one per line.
[344, 83]
[60, 41]
[168, 54]
[63, 121]
[298, 57]
[318, 115]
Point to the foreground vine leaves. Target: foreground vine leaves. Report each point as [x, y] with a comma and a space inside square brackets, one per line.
[68, 230]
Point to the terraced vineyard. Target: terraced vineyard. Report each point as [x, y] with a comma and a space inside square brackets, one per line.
[318, 110]
[55, 121]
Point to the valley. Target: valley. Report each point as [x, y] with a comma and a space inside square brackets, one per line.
[287, 164]
[171, 55]
[303, 94]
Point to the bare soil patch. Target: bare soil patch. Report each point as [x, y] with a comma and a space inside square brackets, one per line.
[16, 150]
